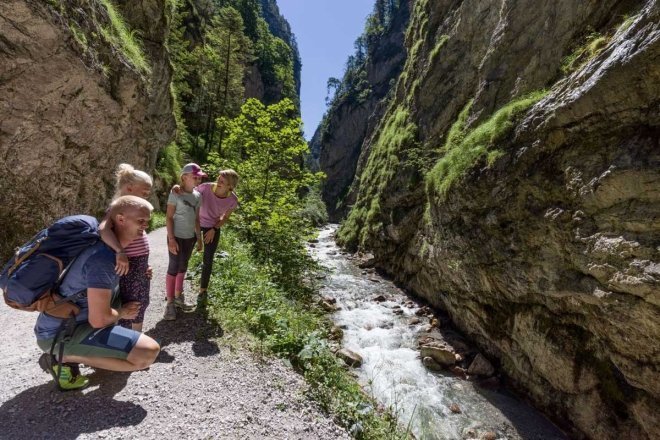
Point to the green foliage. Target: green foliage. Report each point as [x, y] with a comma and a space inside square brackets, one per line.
[275, 60]
[78, 35]
[397, 136]
[156, 221]
[168, 164]
[244, 300]
[592, 45]
[266, 147]
[438, 47]
[314, 209]
[464, 148]
[119, 35]
[208, 76]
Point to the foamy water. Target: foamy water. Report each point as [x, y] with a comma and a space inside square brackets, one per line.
[392, 370]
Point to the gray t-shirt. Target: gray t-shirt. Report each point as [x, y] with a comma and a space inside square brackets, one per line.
[187, 205]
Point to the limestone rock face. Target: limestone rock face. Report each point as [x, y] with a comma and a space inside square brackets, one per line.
[548, 256]
[70, 114]
[351, 122]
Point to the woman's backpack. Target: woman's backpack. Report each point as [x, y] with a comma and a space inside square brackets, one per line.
[30, 280]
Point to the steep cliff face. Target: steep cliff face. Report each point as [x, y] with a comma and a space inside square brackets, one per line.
[281, 29]
[74, 103]
[339, 138]
[514, 181]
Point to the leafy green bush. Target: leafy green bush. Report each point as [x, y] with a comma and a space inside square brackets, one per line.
[464, 148]
[157, 220]
[266, 147]
[314, 208]
[168, 164]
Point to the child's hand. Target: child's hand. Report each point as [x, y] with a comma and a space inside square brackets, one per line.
[150, 272]
[176, 189]
[199, 244]
[209, 236]
[121, 264]
[172, 245]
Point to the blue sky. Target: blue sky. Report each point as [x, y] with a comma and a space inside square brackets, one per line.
[325, 31]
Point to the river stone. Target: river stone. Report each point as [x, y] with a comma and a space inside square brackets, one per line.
[336, 333]
[431, 364]
[351, 358]
[441, 355]
[480, 366]
[328, 307]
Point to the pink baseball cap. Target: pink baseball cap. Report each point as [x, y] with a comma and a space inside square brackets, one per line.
[194, 169]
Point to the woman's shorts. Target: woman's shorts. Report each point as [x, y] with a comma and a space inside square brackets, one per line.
[110, 342]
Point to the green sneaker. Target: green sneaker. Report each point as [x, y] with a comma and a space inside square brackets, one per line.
[69, 378]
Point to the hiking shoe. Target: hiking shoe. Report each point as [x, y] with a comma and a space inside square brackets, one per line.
[170, 312]
[180, 303]
[70, 377]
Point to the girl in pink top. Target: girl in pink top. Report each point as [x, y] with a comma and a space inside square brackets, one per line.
[218, 202]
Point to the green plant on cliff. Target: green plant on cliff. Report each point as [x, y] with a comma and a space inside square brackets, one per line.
[397, 135]
[438, 47]
[126, 40]
[169, 164]
[465, 147]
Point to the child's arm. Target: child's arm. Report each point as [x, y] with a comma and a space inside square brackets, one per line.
[108, 236]
[198, 230]
[223, 219]
[169, 224]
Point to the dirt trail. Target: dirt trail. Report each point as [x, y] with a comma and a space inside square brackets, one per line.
[198, 387]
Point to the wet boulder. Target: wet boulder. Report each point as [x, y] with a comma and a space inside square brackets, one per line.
[351, 358]
[480, 366]
[440, 353]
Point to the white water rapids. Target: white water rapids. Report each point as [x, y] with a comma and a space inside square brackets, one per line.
[392, 371]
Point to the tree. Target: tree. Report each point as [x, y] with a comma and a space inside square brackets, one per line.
[265, 145]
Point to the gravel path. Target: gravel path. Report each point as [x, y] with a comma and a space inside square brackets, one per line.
[199, 387]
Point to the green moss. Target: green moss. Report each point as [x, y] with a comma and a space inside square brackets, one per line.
[168, 164]
[438, 46]
[464, 148]
[414, 51]
[78, 35]
[591, 46]
[396, 136]
[627, 22]
[119, 35]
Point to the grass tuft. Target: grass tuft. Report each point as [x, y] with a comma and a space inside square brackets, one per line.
[464, 148]
[120, 36]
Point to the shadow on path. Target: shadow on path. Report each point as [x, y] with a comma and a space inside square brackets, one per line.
[44, 412]
[189, 326]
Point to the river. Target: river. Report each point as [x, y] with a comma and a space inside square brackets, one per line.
[392, 371]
